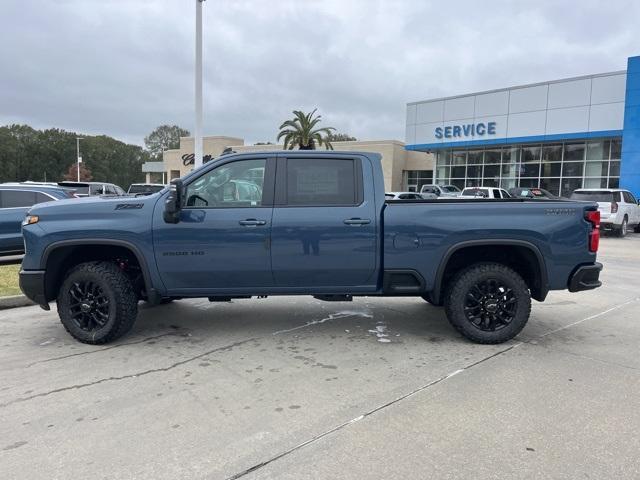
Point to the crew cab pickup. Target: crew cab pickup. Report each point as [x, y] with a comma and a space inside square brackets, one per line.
[304, 223]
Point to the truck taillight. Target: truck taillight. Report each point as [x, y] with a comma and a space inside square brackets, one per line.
[614, 207]
[593, 217]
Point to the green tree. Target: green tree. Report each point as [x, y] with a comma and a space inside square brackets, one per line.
[340, 137]
[301, 131]
[163, 138]
[72, 173]
[45, 155]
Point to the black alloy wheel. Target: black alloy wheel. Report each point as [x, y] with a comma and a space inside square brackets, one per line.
[490, 305]
[488, 302]
[88, 305]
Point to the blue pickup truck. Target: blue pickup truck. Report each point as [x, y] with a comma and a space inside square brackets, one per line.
[304, 223]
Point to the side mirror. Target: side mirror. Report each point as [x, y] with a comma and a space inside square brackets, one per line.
[173, 203]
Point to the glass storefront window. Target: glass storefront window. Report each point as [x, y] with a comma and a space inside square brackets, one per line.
[459, 157]
[491, 156]
[572, 169]
[529, 182]
[614, 183]
[573, 151]
[596, 169]
[474, 157]
[443, 172]
[474, 172]
[614, 169]
[492, 171]
[530, 170]
[552, 153]
[616, 149]
[569, 185]
[510, 170]
[458, 172]
[417, 178]
[552, 185]
[508, 183]
[511, 155]
[443, 157]
[530, 153]
[598, 150]
[551, 169]
[491, 183]
[595, 183]
[556, 167]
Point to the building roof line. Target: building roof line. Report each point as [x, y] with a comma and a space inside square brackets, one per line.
[516, 87]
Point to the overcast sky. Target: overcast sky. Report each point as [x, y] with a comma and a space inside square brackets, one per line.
[122, 67]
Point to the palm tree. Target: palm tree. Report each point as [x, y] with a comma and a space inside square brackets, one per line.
[300, 131]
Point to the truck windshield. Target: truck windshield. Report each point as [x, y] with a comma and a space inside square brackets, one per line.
[594, 196]
[450, 189]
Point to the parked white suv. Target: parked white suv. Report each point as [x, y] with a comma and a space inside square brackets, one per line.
[619, 209]
[441, 190]
[484, 192]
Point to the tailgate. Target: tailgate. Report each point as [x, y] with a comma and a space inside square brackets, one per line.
[605, 209]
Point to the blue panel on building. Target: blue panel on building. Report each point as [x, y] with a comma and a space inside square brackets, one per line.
[630, 165]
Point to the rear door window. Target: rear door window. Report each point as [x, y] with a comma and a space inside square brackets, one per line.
[593, 196]
[628, 197]
[41, 197]
[321, 182]
[496, 193]
[17, 198]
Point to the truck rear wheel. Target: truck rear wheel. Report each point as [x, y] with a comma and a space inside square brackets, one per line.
[488, 303]
[97, 303]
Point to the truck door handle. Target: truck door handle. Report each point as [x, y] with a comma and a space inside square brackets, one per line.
[357, 221]
[252, 222]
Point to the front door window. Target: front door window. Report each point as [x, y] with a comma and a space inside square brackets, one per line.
[234, 185]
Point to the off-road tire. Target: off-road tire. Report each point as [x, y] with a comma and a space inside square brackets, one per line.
[465, 280]
[624, 228]
[122, 302]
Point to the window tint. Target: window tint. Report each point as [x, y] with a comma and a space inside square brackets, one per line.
[233, 185]
[594, 196]
[321, 181]
[628, 197]
[496, 193]
[97, 189]
[15, 198]
[41, 197]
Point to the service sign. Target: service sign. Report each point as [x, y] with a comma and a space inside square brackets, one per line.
[467, 130]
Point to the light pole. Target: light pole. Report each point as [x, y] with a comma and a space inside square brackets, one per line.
[197, 150]
[79, 158]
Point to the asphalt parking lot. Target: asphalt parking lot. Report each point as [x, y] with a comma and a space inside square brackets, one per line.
[296, 388]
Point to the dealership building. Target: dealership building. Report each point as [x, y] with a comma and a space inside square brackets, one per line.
[581, 132]
[560, 135]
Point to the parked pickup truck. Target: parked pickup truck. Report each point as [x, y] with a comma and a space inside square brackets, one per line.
[304, 223]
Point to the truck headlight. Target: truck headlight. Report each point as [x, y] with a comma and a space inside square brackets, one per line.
[30, 220]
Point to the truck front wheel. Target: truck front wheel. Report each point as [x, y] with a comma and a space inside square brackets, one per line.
[97, 303]
[488, 303]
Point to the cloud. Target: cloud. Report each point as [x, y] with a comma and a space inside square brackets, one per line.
[122, 67]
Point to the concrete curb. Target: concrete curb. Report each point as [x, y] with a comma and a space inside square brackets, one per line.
[14, 301]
